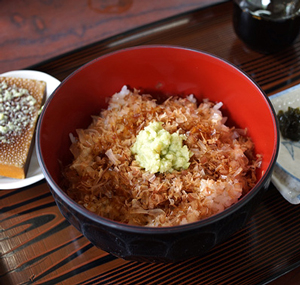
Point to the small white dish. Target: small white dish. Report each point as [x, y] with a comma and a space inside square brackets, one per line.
[286, 176]
[34, 173]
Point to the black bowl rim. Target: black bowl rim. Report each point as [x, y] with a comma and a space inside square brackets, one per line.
[158, 230]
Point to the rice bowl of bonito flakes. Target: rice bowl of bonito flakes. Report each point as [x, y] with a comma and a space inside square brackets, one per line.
[162, 154]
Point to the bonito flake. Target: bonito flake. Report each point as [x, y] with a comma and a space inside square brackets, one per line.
[105, 178]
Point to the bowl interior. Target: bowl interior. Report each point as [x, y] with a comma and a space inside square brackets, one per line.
[159, 70]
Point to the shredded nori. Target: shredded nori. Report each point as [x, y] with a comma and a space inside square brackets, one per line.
[289, 123]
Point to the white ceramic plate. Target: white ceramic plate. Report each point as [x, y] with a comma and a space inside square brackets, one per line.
[34, 173]
[286, 176]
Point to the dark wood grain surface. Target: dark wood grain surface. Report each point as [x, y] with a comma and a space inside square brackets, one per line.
[38, 246]
[34, 31]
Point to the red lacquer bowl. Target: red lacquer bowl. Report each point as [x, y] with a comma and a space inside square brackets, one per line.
[161, 71]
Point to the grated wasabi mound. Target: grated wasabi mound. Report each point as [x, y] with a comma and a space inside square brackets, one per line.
[156, 150]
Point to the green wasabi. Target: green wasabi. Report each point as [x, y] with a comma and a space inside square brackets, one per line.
[157, 150]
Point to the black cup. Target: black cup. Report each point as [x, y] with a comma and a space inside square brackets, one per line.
[266, 26]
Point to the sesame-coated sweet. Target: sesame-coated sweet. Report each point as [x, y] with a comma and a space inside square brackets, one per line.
[20, 102]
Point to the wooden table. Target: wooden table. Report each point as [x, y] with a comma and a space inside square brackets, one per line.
[34, 31]
[38, 246]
